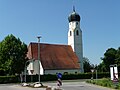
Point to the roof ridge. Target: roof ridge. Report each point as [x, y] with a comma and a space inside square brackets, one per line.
[48, 43]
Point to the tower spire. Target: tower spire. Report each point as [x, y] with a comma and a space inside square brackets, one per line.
[73, 8]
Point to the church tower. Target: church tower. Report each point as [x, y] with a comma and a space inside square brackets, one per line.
[75, 36]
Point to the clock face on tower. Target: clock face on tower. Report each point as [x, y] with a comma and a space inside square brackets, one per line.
[73, 29]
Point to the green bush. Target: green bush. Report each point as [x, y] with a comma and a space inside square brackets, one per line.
[49, 77]
[8, 79]
[35, 78]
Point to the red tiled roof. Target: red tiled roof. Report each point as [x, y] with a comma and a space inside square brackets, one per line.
[54, 56]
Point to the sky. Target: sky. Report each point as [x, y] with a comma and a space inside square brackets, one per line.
[27, 19]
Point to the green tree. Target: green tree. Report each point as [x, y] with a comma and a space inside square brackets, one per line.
[108, 59]
[117, 60]
[101, 67]
[87, 65]
[12, 55]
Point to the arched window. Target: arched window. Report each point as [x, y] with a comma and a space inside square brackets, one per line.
[77, 23]
[70, 33]
[77, 32]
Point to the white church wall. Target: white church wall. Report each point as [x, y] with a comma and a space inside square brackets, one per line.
[30, 67]
[35, 66]
[72, 71]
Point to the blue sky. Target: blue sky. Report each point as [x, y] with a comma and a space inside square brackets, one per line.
[27, 19]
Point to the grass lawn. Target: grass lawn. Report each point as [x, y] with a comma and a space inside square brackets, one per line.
[106, 82]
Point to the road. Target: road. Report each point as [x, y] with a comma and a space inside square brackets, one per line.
[66, 86]
[16, 87]
[79, 85]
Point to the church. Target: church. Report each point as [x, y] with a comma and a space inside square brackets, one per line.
[47, 58]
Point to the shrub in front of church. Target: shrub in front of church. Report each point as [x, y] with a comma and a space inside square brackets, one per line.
[49, 77]
[8, 79]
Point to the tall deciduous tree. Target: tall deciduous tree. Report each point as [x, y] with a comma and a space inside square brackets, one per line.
[108, 59]
[117, 60]
[12, 55]
[87, 65]
[101, 67]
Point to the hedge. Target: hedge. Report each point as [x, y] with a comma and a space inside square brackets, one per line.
[49, 77]
[8, 79]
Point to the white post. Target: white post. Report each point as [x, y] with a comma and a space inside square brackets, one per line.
[113, 71]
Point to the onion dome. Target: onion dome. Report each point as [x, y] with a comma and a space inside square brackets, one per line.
[74, 16]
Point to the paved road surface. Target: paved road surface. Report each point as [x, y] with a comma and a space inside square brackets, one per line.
[66, 86]
[80, 86]
[16, 87]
